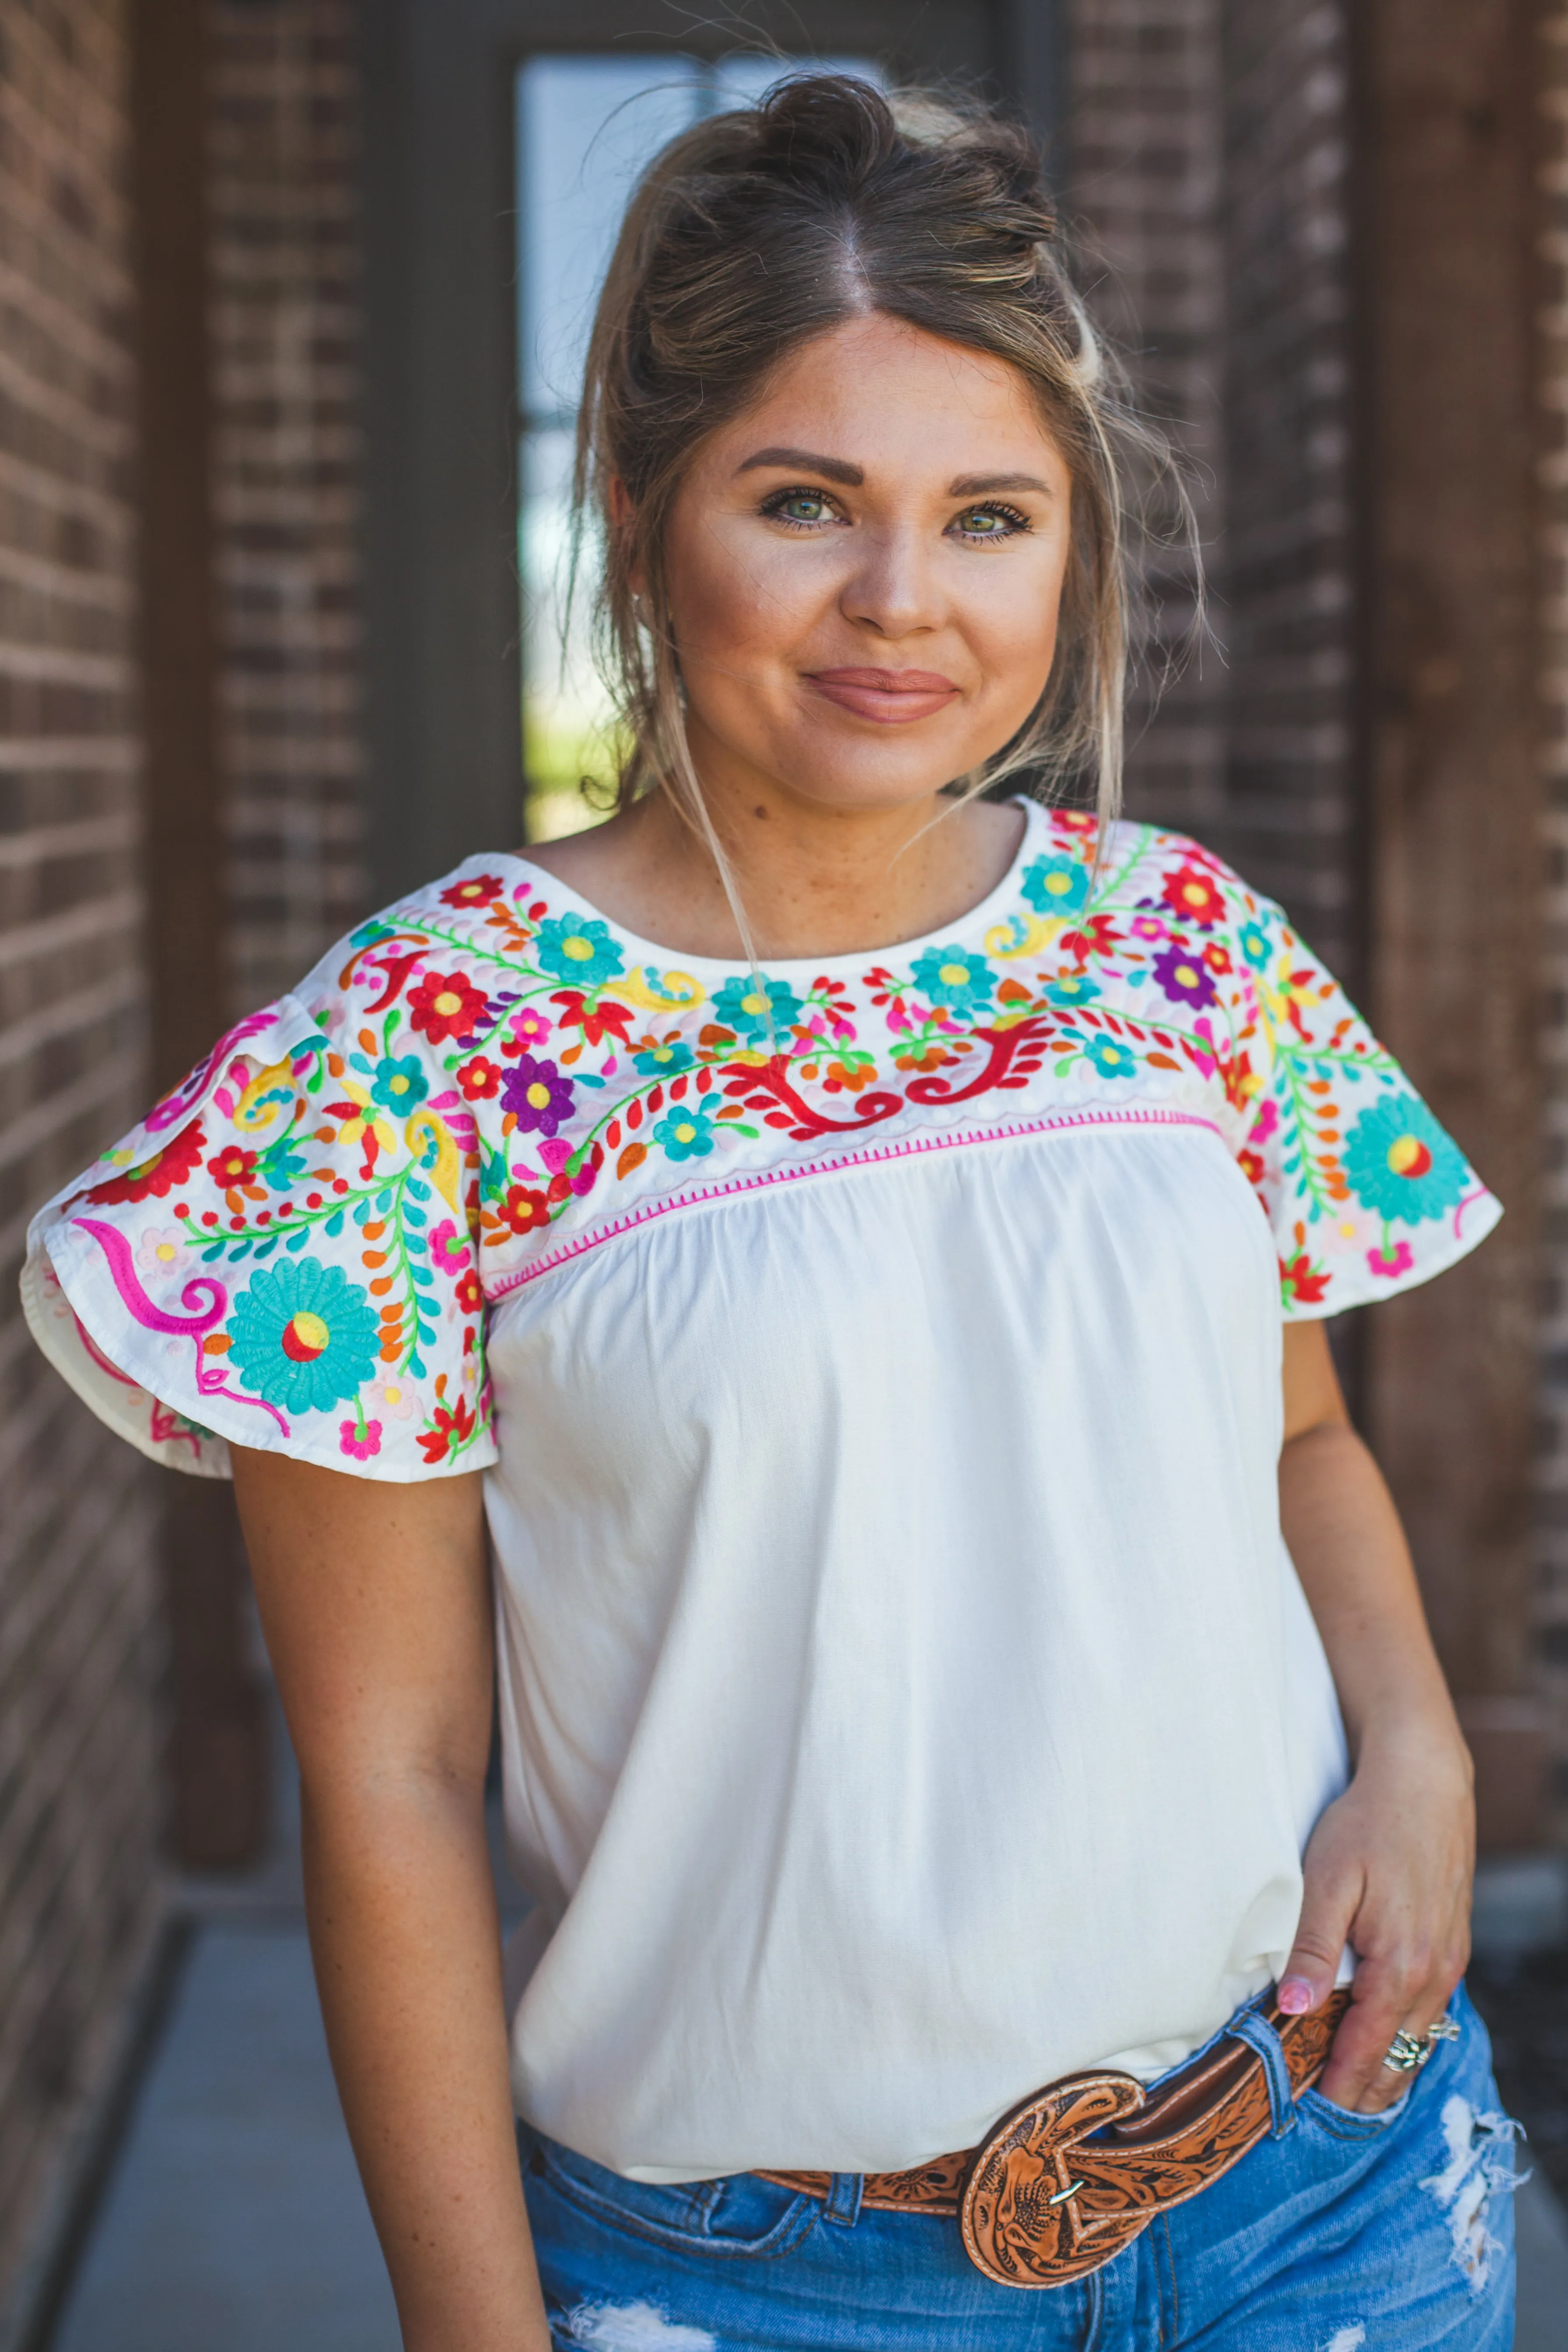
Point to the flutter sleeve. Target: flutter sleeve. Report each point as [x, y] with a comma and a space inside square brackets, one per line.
[1366, 1194]
[281, 1254]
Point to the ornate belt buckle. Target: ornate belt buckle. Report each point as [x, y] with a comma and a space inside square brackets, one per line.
[1038, 2209]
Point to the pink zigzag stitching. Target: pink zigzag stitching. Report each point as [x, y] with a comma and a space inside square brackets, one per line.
[825, 1167]
[194, 1326]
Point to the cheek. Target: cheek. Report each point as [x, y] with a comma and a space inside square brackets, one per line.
[1011, 625]
[728, 602]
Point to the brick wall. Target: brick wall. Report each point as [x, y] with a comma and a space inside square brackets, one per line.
[78, 1645]
[1290, 783]
[1209, 148]
[285, 265]
[1143, 192]
[1553, 317]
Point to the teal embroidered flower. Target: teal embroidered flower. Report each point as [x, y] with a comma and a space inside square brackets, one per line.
[664, 1057]
[304, 1335]
[578, 948]
[742, 1005]
[1056, 886]
[1401, 1164]
[1111, 1058]
[282, 1166]
[1255, 946]
[964, 982]
[400, 1084]
[686, 1132]
[1073, 987]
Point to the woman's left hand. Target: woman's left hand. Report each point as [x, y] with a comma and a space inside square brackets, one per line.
[1387, 1871]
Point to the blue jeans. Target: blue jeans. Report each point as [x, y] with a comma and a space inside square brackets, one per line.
[1336, 2232]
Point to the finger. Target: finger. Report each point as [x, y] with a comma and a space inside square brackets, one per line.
[1328, 1902]
[1386, 1998]
[1391, 2082]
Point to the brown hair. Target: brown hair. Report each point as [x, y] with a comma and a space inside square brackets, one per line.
[759, 229]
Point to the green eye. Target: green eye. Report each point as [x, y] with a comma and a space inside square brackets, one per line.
[983, 522]
[800, 505]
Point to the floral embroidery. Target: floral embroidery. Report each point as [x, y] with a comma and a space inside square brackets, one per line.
[490, 1085]
[756, 1010]
[1400, 1163]
[1056, 886]
[157, 1176]
[303, 1335]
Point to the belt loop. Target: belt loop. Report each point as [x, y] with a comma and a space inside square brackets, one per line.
[1251, 2027]
[843, 2204]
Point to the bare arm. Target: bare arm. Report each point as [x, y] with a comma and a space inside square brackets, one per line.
[1388, 1868]
[375, 1601]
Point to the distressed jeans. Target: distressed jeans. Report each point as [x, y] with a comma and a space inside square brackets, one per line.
[1391, 2231]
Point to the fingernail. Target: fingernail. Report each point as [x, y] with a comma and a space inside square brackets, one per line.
[1296, 1997]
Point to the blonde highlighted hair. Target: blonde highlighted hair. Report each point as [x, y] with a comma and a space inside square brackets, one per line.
[760, 229]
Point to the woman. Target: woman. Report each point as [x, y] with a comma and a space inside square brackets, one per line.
[964, 1703]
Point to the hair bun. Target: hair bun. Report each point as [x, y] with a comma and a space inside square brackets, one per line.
[818, 125]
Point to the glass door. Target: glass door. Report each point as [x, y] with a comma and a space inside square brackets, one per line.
[586, 125]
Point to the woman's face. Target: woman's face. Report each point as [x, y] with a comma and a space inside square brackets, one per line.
[864, 570]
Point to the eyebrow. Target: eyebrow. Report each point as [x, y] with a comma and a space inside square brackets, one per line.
[838, 469]
[978, 485]
[834, 470]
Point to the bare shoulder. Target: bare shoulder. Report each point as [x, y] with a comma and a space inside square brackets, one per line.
[598, 854]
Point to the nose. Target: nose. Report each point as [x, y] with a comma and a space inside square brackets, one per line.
[893, 589]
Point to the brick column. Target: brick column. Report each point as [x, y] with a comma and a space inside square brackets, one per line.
[1453, 738]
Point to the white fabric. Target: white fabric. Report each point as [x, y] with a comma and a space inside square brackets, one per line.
[907, 1696]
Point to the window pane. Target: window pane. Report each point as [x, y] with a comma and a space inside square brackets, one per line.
[586, 128]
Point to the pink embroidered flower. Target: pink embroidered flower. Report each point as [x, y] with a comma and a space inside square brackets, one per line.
[1264, 1125]
[162, 1251]
[449, 1254]
[392, 1398]
[1390, 1263]
[360, 1438]
[1147, 927]
[529, 1026]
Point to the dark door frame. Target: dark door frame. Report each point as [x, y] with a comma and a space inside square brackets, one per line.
[441, 592]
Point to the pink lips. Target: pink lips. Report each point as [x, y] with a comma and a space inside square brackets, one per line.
[892, 697]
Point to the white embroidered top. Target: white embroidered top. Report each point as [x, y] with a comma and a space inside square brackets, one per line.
[907, 1697]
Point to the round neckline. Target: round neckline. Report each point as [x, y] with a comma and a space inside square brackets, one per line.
[649, 952]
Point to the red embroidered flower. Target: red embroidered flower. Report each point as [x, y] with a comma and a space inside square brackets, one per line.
[1304, 1283]
[479, 1080]
[475, 890]
[524, 1208]
[232, 1166]
[156, 1177]
[469, 1293]
[454, 1427]
[446, 1005]
[596, 1021]
[1191, 895]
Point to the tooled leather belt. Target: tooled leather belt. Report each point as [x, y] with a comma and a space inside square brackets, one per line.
[1072, 2176]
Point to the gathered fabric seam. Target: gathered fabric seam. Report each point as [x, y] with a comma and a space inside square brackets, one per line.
[758, 1179]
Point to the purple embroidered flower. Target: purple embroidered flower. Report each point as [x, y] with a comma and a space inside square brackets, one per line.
[1185, 977]
[537, 1095]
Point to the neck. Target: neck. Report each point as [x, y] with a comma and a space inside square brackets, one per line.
[813, 880]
